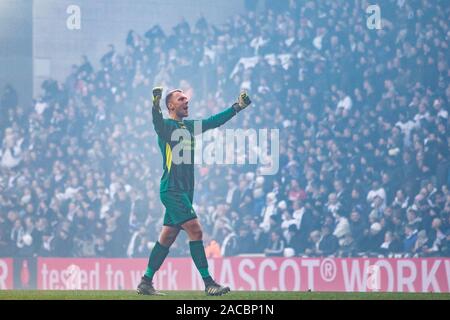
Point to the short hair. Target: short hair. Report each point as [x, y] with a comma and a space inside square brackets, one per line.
[169, 96]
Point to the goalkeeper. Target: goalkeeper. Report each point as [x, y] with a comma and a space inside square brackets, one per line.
[177, 185]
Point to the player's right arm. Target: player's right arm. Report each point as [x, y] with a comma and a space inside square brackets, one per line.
[158, 121]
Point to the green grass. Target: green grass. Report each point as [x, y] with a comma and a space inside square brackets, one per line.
[199, 295]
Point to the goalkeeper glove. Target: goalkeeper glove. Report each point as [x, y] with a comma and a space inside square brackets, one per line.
[157, 94]
[243, 102]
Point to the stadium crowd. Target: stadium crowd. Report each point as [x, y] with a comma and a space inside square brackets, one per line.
[364, 138]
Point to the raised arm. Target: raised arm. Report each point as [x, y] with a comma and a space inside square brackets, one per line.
[219, 119]
[158, 120]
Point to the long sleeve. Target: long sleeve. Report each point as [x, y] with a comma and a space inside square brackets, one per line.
[160, 127]
[218, 119]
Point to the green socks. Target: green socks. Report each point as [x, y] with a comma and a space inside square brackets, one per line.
[199, 257]
[159, 253]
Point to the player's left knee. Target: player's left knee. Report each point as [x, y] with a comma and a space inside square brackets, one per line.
[194, 230]
[168, 237]
[199, 234]
[196, 234]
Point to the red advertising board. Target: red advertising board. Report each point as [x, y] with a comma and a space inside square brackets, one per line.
[245, 273]
[6, 274]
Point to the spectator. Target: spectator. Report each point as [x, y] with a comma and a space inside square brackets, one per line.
[358, 229]
[436, 239]
[333, 205]
[374, 239]
[410, 238]
[328, 243]
[62, 244]
[390, 245]
[260, 238]
[312, 249]
[275, 246]
[137, 247]
[212, 248]
[361, 130]
[422, 243]
[413, 219]
[377, 194]
[342, 227]
[245, 241]
[269, 210]
[348, 247]
[295, 241]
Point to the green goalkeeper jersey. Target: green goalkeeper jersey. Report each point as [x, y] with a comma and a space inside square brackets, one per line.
[180, 176]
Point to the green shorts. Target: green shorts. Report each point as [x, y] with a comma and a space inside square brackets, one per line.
[178, 207]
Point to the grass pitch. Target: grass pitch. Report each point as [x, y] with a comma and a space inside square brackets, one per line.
[199, 295]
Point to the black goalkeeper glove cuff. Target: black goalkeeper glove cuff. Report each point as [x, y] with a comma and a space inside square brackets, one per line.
[236, 107]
